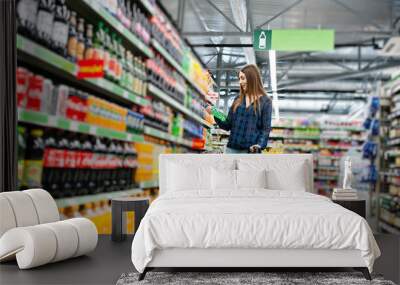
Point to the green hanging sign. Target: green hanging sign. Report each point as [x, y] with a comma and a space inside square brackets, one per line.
[294, 40]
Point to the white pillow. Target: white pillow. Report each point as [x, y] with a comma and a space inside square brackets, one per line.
[251, 178]
[183, 177]
[282, 173]
[280, 180]
[224, 179]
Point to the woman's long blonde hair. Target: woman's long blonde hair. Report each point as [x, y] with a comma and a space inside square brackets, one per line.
[254, 87]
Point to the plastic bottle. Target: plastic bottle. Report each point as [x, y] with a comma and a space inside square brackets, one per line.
[33, 165]
[80, 46]
[44, 21]
[21, 153]
[59, 36]
[217, 114]
[89, 49]
[72, 37]
[26, 17]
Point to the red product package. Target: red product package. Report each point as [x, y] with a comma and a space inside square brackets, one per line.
[22, 86]
[76, 106]
[35, 91]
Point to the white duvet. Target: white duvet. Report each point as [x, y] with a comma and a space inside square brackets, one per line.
[253, 218]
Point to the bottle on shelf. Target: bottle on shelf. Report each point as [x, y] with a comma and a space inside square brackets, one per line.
[89, 48]
[33, 164]
[44, 22]
[72, 37]
[26, 17]
[59, 36]
[80, 46]
[98, 42]
[21, 153]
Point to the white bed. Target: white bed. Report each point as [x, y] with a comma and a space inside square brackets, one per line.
[248, 227]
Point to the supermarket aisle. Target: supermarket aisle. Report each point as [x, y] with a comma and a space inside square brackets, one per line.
[111, 259]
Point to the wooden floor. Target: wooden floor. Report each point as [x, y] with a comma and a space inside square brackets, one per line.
[110, 260]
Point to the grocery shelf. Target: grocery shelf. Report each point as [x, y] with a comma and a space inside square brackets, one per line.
[330, 157]
[79, 200]
[175, 104]
[176, 65]
[392, 172]
[326, 177]
[394, 114]
[293, 137]
[96, 7]
[395, 141]
[148, 7]
[342, 138]
[392, 153]
[149, 184]
[327, 167]
[295, 127]
[388, 227]
[304, 148]
[68, 68]
[165, 136]
[336, 147]
[46, 120]
[354, 129]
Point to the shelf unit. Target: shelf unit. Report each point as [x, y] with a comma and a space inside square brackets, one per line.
[149, 184]
[50, 60]
[154, 90]
[95, 7]
[41, 119]
[165, 136]
[316, 139]
[389, 157]
[80, 200]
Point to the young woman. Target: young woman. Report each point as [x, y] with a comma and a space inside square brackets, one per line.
[249, 118]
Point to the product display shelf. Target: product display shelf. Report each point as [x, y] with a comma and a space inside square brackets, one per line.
[352, 129]
[389, 228]
[176, 65]
[80, 200]
[394, 141]
[346, 139]
[273, 136]
[52, 59]
[392, 153]
[96, 7]
[149, 184]
[326, 177]
[394, 114]
[165, 136]
[152, 89]
[41, 119]
[327, 167]
[149, 7]
[335, 147]
[301, 147]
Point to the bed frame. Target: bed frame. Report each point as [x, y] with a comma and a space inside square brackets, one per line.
[242, 259]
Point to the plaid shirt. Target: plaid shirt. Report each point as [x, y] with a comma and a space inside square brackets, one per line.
[248, 128]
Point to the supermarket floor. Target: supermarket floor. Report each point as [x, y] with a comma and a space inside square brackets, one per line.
[110, 260]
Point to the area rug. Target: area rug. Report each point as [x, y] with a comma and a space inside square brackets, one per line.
[229, 278]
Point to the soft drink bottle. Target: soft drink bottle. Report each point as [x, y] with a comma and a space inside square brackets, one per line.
[33, 165]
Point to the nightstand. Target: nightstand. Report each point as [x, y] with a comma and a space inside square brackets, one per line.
[357, 206]
[119, 207]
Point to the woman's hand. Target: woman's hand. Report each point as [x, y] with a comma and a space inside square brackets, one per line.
[208, 109]
[255, 149]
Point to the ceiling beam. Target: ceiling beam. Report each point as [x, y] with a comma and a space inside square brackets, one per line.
[225, 16]
[279, 14]
[338, 76]
[359, 15]
[250, 34]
